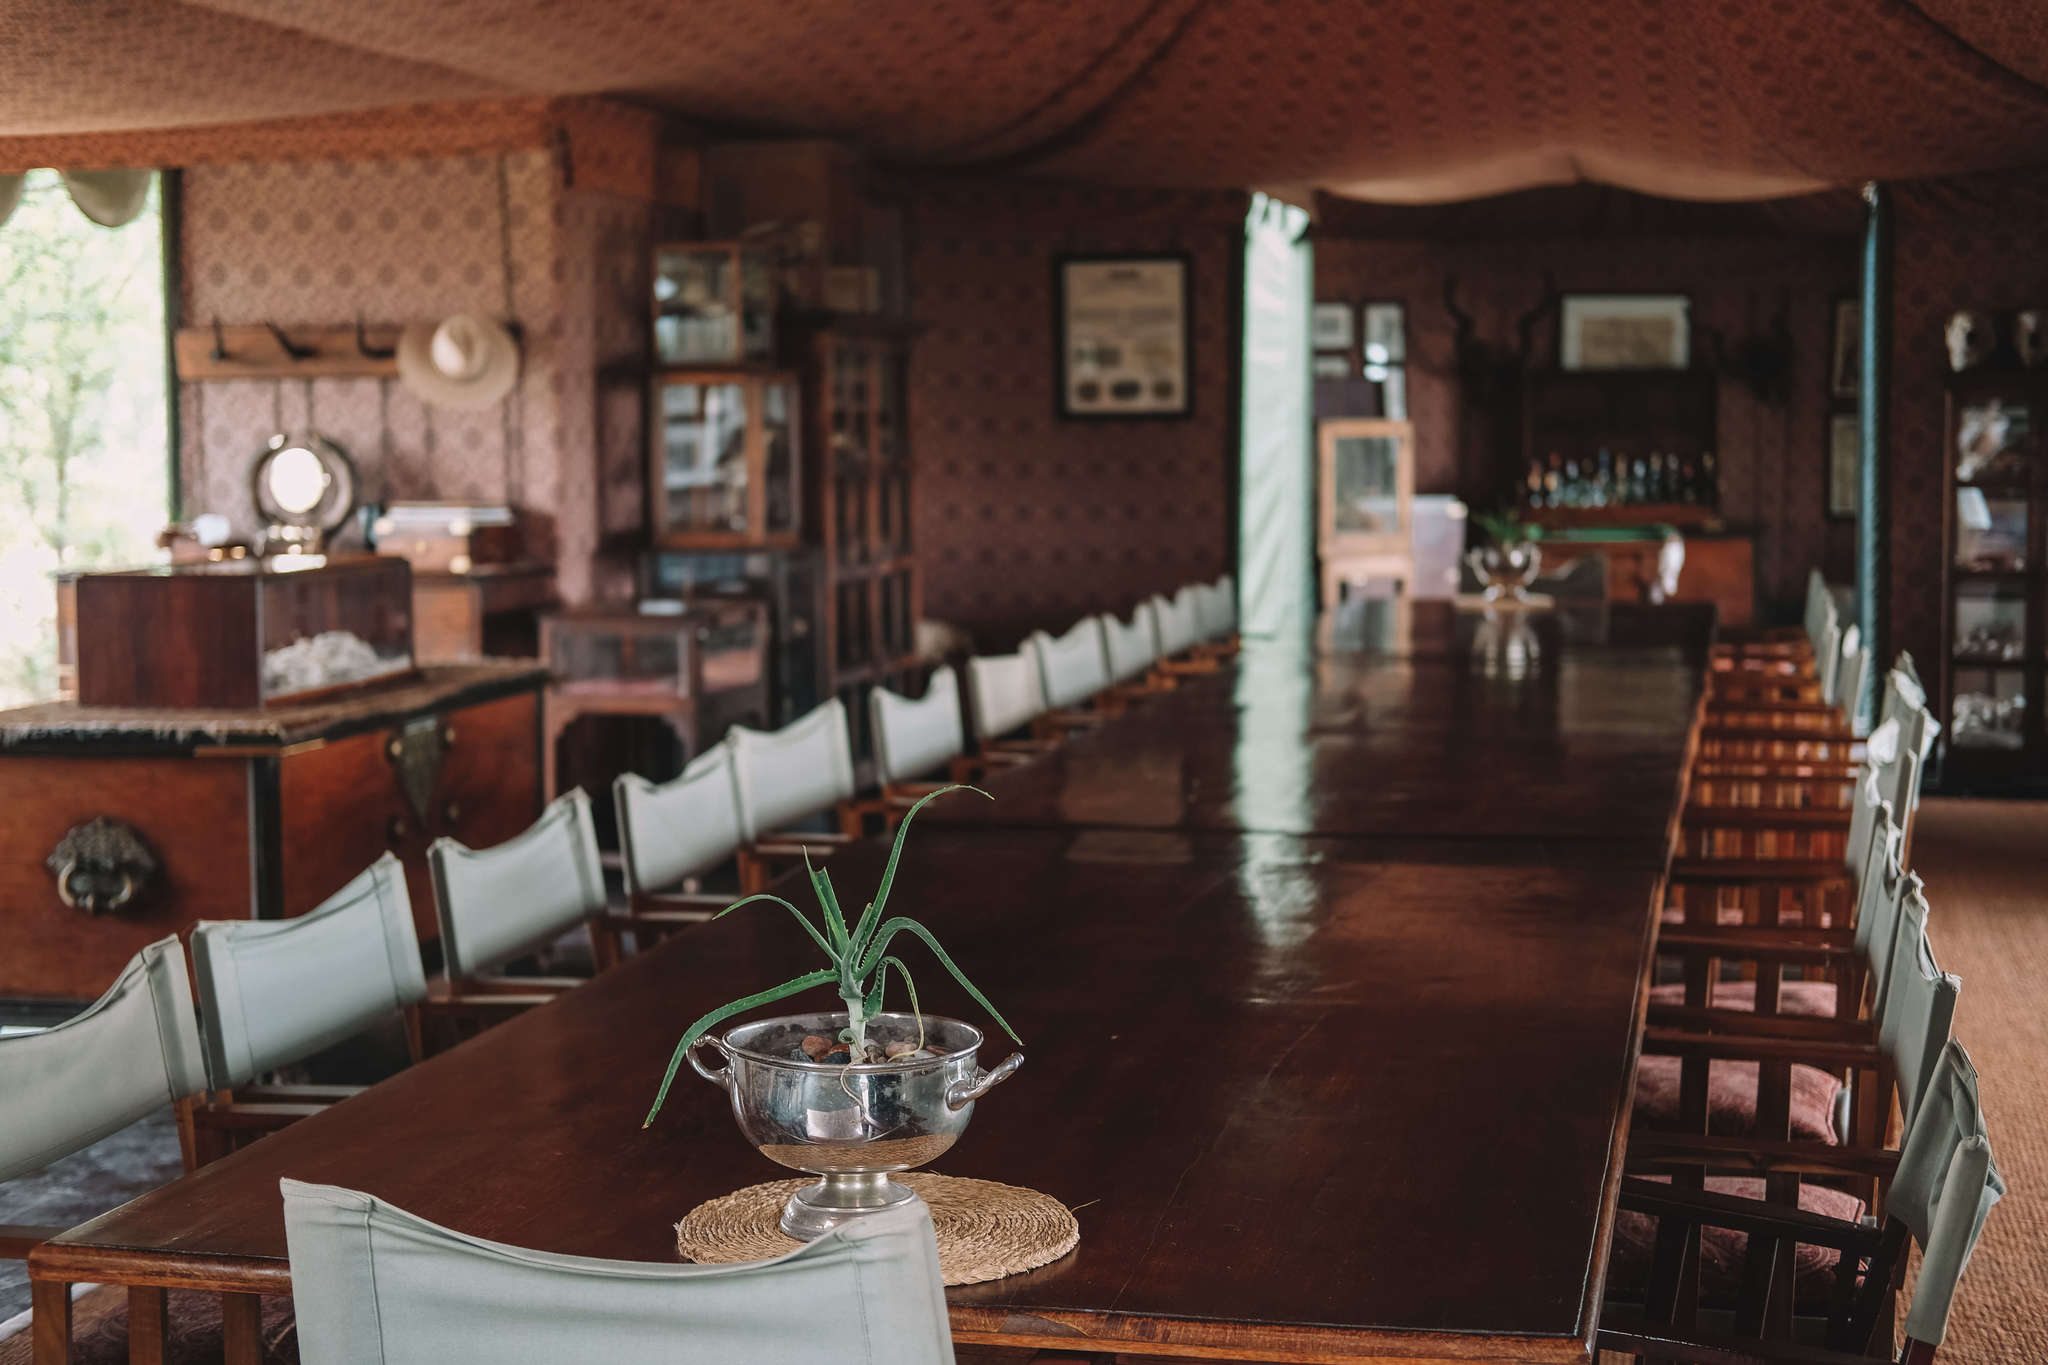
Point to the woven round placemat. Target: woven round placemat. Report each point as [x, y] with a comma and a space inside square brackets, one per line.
[986, 1230]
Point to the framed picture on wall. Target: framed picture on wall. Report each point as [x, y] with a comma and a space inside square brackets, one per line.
[1845, 356]
[1122, 327]
[1334, 366]
[1845, 442]
[1330, 326]
[1625, 332]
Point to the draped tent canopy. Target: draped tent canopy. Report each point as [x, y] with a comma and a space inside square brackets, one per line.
[1400, 101]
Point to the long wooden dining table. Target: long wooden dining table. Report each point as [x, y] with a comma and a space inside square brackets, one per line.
[1331, 971]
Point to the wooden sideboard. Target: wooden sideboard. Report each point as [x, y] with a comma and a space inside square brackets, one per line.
[1719, 568]
[250, 813]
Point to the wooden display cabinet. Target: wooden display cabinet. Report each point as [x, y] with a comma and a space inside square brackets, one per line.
[1994, 619]
[714, 304]
[1365, 502]
[724, 470]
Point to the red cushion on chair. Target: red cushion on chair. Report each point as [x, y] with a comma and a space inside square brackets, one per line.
[1731, 1099]
[1812, 999]
[1722, 1249]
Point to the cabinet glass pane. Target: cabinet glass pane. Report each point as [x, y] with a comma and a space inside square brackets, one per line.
[704, 456]
[1991, 621]
[1994, 441]
[778, 434]
[1990, 709]
[1991, 533]
[693, 296]
[1368, 486]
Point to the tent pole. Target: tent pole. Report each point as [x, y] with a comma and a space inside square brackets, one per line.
[1873, 392]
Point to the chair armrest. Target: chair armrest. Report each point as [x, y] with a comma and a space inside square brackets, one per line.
[1790, 942]
[1826, 1054]
[1661, 1152]
[295, 1094]
[256, 1117]
[1736, 871]
[1698, 816]
[1659, 1200]
[1710, 1019]
[18, 1239]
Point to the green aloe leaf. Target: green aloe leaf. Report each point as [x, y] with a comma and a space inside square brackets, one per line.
[873, 915]
[873, 1004]
[904, 924]
[809, 927]
[724, 1012]
[821, 887]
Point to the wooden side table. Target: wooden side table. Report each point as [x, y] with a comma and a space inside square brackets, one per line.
[705, 663]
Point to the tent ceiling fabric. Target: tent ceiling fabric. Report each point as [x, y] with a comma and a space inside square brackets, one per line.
[1391, 100]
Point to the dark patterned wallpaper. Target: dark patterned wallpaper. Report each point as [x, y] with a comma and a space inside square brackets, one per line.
[1025, 520]
[414, 240]
[1773, 454]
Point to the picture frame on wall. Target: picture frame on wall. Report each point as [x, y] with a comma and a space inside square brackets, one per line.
[1845, 443]
[1330, 326]
[1123, 329]
[1845, 354]
[1336, 365]
[1625, 332]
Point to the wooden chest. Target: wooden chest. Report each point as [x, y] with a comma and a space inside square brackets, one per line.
[259, 813]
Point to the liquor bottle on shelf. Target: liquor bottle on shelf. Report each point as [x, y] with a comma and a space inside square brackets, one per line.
[1553, 482]
[1603, 480]
[1535, 484]
[1710, 480]
[1674, 478]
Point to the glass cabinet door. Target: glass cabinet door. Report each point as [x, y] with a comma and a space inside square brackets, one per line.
[694, 323]
[704, 473]
[1995, 442]
[779, 437]
[1991, 622]
[1367, 490]
[892, 477]
[1990, 709]
[1991, 531]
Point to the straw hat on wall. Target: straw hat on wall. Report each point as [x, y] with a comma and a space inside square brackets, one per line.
[465, 361]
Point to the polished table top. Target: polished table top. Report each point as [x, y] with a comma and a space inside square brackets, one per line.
[1334, 1098]
[1577, 733]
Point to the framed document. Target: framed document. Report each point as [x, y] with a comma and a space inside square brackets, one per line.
[1625, 332]
[1121, 324]
[1330, 323]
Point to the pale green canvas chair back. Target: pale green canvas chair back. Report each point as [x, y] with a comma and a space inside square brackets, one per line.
[495, 903]
[1827, 653]
[275, 991]
[787, 775]
[1072, 667]
[1132, 646]
[128, 1054]
[1004, 691]
[1847, 693]
[914, 739]
[1919, 1005]
[1879, 880]
[374, 1283]
[679, 828]
[1944, 1189]
[1174, 619]
[1819, 602]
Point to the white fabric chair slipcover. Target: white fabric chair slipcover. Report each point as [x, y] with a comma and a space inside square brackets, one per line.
[493, 903]
[784, 775]
[1131, 648]
[1004, 691]
[1919, 1007]
[1819, 602]
[1072, 667]
[1827, 653]
[1216, 608]
[276, 991]
[1944, 1187]
[1174, 619]
[128, 1054]
[677, 829]
[375, 1283]
[914, 739]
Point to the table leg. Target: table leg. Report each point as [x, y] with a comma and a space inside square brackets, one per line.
[149, 1324]
[50, 1327]
[241, 1329]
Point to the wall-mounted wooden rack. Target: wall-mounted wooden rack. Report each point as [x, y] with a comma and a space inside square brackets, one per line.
[264, 351]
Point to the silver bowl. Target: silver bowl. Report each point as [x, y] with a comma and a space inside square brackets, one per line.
[851, 1125]
[1506, 570]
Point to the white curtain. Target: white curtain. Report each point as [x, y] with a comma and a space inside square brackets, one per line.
[1276, 506]
[109, 198]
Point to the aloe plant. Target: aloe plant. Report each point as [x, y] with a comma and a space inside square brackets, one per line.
[859, 956]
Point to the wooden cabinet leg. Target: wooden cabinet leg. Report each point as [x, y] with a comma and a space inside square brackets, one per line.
[241, 1329]
[149, 1324]
[50, 1327]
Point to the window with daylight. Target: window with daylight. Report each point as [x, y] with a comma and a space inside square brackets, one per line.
[85, 461]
